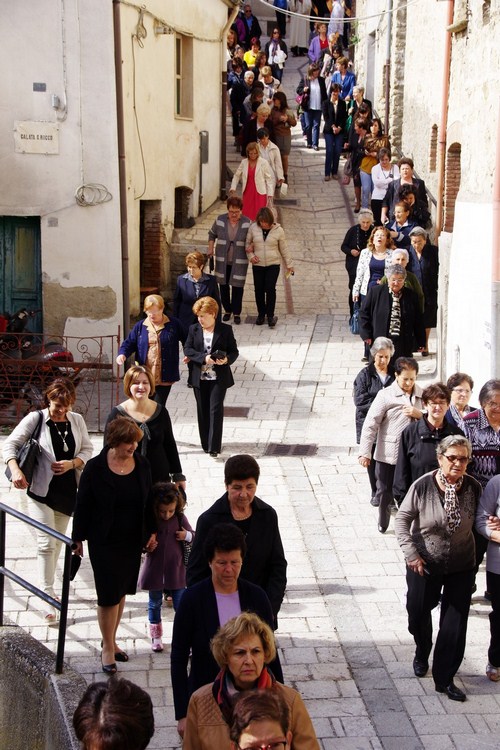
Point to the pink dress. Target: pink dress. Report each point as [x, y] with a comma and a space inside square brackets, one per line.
[252, 200]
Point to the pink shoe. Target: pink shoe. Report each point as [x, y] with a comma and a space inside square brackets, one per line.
[156, 632]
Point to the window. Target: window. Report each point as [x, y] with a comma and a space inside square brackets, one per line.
[183, 76]
[433, 149]
[451, 184]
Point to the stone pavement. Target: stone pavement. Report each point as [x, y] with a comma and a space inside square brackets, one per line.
[342, 630]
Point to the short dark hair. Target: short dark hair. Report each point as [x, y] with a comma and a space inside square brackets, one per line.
[62, 390]
[235, 201]
[166, 493]
[241, 466]
[262, 133]
[265, 214]
[406, 160]
[405, 363]
[224, 537]
[116, 715]
[122, 430]
[488, 389]
[436, 391]
[457, 378]
[258, 705]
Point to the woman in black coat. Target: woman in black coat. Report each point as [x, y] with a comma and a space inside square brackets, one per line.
[424, 263]
[369, 381]
[114, 514]
[211, 347]
[393, 310]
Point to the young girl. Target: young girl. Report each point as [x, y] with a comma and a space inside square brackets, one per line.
[164, 568]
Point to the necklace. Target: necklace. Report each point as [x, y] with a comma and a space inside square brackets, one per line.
[63, 436]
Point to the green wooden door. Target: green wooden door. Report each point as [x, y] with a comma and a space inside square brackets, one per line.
[20, 272]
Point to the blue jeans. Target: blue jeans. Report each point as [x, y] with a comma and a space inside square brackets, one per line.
[312, 120]
[155, 601]
[334, 144]
[366, 188]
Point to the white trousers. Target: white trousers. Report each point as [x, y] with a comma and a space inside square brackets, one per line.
[48, 548]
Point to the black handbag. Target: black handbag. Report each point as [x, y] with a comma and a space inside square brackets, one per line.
[186, 546]
[28, 454]
[354, 320]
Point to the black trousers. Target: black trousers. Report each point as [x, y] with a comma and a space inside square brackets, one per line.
[161, 394]
[384, 474]
[265, 279]
[423, 595]
[210, 411]
[231, 296]
[493, 584]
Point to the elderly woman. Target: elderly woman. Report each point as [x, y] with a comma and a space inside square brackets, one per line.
[283, 120]
[243, 648]
[158, 443]
[402, 225]
[460, 386]
[65, 449]
[211, 347]
[266, 248]
[391, 411]
[401, 257]
[424, 263]
[369, 381]
[114, 514]
[271, 153]
[434, 529]
[201, 611]
[271, 84]
[226, 243]
[488, 525]
[394, 311]
[256, 180]
[335, 117]
[383, 173]
[155, 343]
[265, 563]
[260, 117]
[482, 428]
[417, 447]
[354, 242]
[312, 89]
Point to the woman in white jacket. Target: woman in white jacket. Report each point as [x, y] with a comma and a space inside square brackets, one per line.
[257, 182]
[266, 248]
[65, 449]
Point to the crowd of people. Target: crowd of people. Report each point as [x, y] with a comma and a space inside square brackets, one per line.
[432, 460]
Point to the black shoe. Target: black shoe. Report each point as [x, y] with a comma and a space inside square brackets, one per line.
[237, 319]
[271, 322]
[214, 454]
[453, 693]
[260, 320]
[226, 317]
[487, 595]
[375, 502]
[382, 529]
[108, 668]
[420, 667]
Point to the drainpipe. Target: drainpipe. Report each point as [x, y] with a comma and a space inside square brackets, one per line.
[121, 166]
[388, 64]
[495, 271]
[444, 120]
[223, 100]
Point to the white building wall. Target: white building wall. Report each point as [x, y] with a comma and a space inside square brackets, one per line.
[67, 45]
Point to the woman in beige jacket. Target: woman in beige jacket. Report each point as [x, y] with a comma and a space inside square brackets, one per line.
[242, 648]
[266, 249]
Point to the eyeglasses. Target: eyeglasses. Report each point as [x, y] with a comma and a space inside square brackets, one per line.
[462, 391]
[462, 460]
[271, 746]
[493, 405]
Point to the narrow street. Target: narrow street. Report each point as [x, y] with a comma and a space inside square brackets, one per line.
[342, 633]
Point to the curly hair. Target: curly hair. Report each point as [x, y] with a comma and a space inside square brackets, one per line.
[389, 242]
[239, 627]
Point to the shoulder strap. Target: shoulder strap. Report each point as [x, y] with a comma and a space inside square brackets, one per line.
[38, 428]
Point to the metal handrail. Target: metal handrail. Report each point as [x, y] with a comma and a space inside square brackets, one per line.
[61, 606]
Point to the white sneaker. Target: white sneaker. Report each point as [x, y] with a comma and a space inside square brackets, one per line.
[492, 673]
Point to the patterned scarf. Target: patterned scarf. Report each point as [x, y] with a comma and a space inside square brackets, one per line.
[395, 320]
[224, 690]
[451, 506]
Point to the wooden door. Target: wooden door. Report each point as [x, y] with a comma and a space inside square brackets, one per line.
[20, 266]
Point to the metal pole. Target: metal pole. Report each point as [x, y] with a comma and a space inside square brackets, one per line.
[2, 560]
[61, 639]
[388, 65]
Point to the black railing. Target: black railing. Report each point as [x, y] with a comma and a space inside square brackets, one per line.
[60, 606]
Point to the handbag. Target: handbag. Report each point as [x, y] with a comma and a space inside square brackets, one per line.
[28, 454]
[354, 320]
[348, 169]
[283, 190]
[186, 546]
